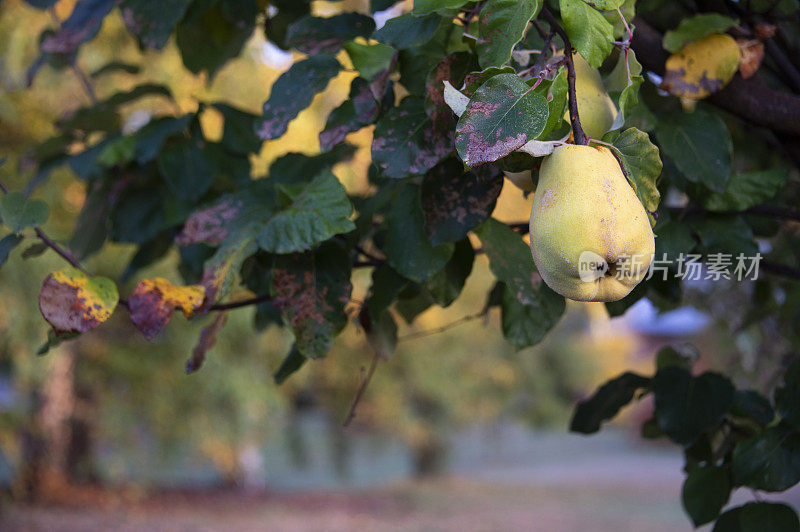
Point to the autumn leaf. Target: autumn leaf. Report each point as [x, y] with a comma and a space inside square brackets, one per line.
[154, 300]
[72, 302]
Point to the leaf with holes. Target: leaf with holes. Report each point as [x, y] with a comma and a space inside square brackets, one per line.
[406, 142]
[72, 302]
[311, 290]
[293, 91]
[314, 35]
[18, 212]
[501, 25]
[154, 300]
[455, 202]
[502, 116]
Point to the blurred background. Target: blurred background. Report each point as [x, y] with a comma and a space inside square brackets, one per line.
[456, 431]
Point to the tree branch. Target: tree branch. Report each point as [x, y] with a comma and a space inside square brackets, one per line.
[577, 130]
[750, 99]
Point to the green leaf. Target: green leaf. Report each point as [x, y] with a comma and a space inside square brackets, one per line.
[619, 78]
[407, 247]
[753, 405]
[590, 33]
[686, 406]
[422, 7]
[446, 284]
[695, 28]
[151, 137]
[705, 492]
[787, 397]
[700, 145]
[293, 362]
[530, 309]
[502, 115]
[311, 290]
[769, 461]
[386, 286]
[317, 212]
[18, 212]
[116, 66]
[221, 269]
[501, 25]
[238, 134]
[642, 164]
[210, 35]
[8, 243]
[293, 91]
[381, 335]
[370, 60]
[359, 110]
[408, 31]
[406, 142]
[606, 402]
[314, 35]
[296, 168]
[474, 80]
[758, 517]
[153, 22]
[746, 190]
[725, 234]
[672, 238]
[607, 5]
[455, 201]
[669, 356]
[555, 93]
[186, 167]
[527, 325]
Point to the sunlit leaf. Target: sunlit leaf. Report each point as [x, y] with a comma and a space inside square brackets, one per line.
[702, 68]
[501, 25]
[589, 32]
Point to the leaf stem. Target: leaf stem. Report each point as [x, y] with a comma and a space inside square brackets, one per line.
[577, 130]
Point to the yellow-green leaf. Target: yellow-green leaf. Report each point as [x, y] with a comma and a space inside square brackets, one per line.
[72, 302]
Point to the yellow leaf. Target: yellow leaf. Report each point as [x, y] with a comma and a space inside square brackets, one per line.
[72, 302]
[154, 300]
[702, 67]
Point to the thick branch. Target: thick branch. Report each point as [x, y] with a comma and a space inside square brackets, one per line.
[577, 130]
[750, 99]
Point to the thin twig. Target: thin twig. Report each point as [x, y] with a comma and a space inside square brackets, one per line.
[577, 130]
[87, 85]
[443, 328]
[242, 303]
[365, 379]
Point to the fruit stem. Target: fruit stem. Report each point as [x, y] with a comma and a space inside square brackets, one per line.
[577, 130]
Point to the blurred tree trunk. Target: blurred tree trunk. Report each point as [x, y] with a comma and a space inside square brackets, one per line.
[57, 442]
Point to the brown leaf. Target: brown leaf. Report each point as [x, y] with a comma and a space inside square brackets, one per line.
[154, 300]
[72, 302]
[208, 337]
[752, 53]
[765, 31]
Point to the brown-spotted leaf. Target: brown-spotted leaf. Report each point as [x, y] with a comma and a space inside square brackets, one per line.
[752, 53]
[311, 290]
[154, 300]
[220, 270]
[455, 201]
[72, 302]
[702, 67]
[502, 116]
[210, 225]
[208, 337]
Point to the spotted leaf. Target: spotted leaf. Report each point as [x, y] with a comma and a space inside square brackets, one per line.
[154, 300]
[702, 68]
[72, 302]
[502, 116]
[311, 290]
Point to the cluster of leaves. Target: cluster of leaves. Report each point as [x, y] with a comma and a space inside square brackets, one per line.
[730, 438]
[473, 106]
